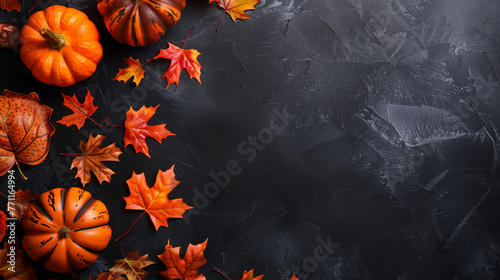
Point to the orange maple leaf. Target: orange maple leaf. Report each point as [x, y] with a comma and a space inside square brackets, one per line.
[106, 275]
[81, 111]
[22, 200]
[235, 8]
[3, 224]
[180, 59]
[248, 275]
[137, 129]
[187, 267]
[134, 69]
[294, 278]
[22, 271]
[91, 160]
[10, 5]
[131, 266]
[155, 201]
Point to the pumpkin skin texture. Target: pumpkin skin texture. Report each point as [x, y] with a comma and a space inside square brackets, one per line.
[60, 46]
[139, 22]
[66, 229]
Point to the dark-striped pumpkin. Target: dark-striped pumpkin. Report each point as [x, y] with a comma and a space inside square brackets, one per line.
[66, 229]
[139, 22]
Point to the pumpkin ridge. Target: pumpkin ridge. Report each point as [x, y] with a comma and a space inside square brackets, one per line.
[84, 209]
[84, 248]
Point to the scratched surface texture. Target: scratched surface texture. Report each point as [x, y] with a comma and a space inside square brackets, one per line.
[330, 139]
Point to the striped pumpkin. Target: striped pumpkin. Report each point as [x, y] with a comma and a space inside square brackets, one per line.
[139, 22]
[66, 229]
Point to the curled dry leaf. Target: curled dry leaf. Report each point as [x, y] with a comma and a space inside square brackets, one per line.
[91, 160]
[131, 266]
[185, 268]
[134, 69]
[25, 130]
[9, 36]
[81, 111]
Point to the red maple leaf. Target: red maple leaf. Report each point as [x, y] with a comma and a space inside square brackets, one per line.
[137, 129]
[187, 267]
[81, 111]
[180, 59]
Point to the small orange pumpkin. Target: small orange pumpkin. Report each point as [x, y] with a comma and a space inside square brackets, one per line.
[139, 22]
[60, 46]
[66, 229]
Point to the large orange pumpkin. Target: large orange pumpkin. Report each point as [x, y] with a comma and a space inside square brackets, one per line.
[66, 229]
[60, 46]
[139, 22]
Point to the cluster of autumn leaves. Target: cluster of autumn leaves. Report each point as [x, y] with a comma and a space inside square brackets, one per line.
[154, 201]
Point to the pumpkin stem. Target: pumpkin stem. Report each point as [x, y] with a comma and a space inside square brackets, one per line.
[63, 232]
[55, 40]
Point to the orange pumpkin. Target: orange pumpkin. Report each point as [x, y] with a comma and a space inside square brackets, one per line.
[66, 229]
[139, 23]
[60, 46]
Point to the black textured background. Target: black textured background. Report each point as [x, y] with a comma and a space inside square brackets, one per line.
[383, 161]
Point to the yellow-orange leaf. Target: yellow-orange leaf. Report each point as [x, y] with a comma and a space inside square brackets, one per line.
[131, 266]
[134, 69]
[91, 160]
[10, 5]
[248, 275]
[236, 8]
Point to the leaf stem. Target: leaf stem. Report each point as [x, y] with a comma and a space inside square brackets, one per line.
[185, 39]
[225, 10]
[130, 226]
[222, 273]
[63, 154]
[220, 22]
[20, 171]
[100, 125]
[110, 124]
[4, 195]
